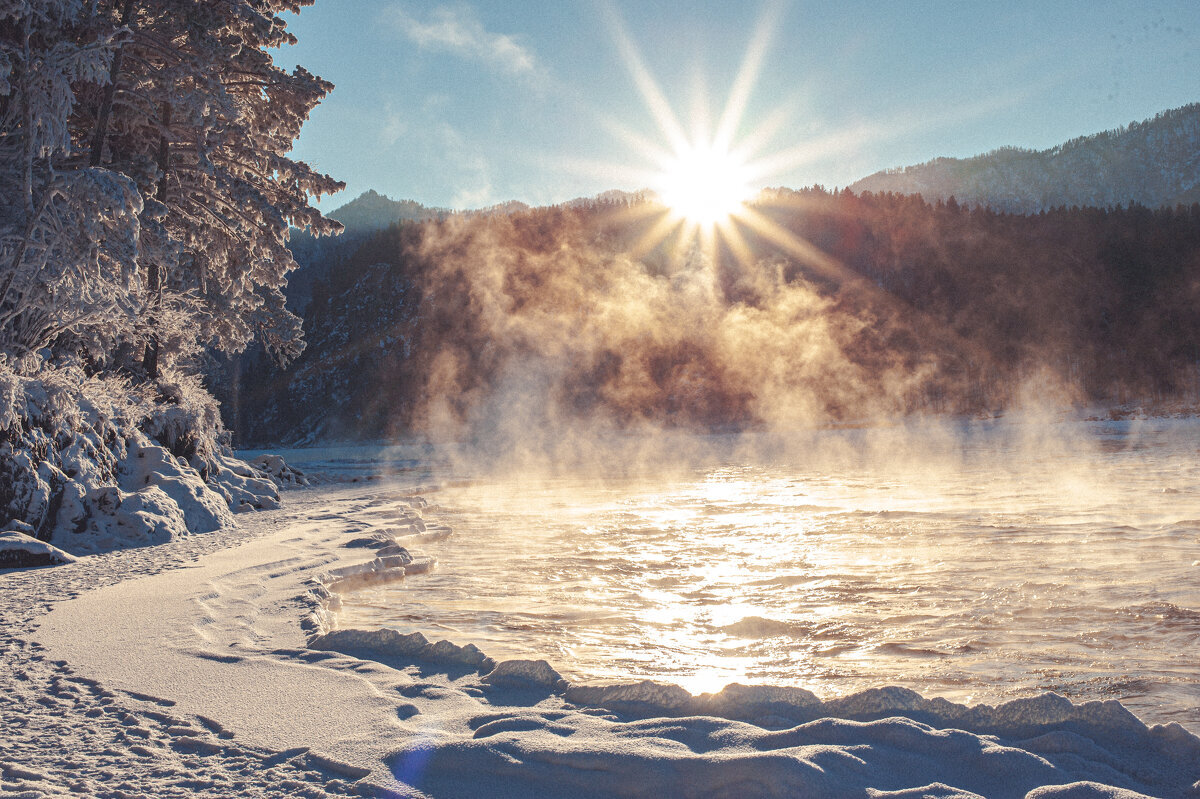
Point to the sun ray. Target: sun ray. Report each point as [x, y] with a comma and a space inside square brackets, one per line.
[662, 229]
[732, 236]
[655, 101]
[701, 111]
[708, 240]
[817, 148]
[631, 175]
[743, 84]
[808, 253]
[652, 152]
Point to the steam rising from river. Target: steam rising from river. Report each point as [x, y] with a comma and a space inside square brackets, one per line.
[990, 561]
[553, 335]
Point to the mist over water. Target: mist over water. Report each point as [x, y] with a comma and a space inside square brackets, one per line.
[975, 562]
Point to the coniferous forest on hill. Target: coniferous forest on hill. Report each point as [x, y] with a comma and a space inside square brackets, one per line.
[871, 306]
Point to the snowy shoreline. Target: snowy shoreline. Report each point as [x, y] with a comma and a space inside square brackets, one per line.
[186, 668]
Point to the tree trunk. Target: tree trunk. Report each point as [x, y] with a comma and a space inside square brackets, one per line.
[154, 272]
[106, 103]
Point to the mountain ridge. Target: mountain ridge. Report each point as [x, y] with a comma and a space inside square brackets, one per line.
[1154, 163]
[371, 211]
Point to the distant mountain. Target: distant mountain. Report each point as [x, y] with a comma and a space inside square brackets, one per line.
[1155, 163]
[372, 211]
[499, 209]
[362, 217]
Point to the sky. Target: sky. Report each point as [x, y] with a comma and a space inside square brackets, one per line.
[474, 103]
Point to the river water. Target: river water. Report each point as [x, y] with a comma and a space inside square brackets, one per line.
[981, 564]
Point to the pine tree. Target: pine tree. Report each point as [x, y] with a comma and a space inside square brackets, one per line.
[146, 189]
[68, 235]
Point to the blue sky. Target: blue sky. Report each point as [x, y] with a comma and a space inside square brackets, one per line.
[467, 104]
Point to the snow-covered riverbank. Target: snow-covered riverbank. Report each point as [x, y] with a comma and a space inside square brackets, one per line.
[183, 670]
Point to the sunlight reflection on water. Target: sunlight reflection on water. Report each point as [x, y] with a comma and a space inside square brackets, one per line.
[997, 573]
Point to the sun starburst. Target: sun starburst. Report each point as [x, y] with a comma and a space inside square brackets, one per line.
[704, 184]
[705, 181]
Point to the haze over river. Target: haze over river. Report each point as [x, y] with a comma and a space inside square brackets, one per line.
[979, 564]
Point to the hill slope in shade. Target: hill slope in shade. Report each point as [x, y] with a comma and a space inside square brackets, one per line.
[1154, 163]
[363, 216]
[440, 325]
[372, 211]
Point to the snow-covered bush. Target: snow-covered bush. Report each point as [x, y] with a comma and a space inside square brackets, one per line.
[185, 418]
[61, 426]
[95, 462]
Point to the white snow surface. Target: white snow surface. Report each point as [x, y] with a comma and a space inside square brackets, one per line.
[207, 666]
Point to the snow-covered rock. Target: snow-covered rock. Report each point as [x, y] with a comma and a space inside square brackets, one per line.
[90, 464]
[244, 488]
[278, 470]
[19, 550]
[204, 510]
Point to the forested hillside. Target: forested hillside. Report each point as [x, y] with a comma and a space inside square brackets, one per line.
[1153, 163]
[545, 318]
[319, 256]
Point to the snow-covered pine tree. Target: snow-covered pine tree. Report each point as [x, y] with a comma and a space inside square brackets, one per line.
[68, 236]
[203, 120]
[183, 99]
[145, 200]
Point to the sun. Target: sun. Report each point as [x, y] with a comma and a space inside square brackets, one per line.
[704, 184]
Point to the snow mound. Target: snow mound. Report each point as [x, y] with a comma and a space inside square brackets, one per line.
[1083, 790]
[279, 472]
[21, 551]
[157, 497]
[395, 648]
[243, 488]
[525, 674]
[547, 751]
[1050, 722]
[203, 509]
[648, 739]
